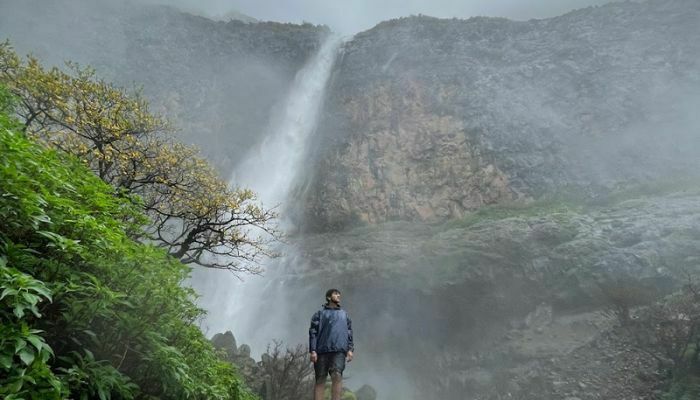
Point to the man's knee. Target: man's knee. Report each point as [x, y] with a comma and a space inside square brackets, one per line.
[336, 376]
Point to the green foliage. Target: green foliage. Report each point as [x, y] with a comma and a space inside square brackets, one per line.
[7, 101]
[24, 353]
[574, 200]
[94, 378]
[194, 214]
[684, 388]
[346, 393]
[552, 207]
[87, 312]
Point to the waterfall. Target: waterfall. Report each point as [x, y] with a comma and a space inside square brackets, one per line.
[238, 305]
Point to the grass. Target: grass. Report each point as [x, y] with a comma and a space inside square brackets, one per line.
[574, 201]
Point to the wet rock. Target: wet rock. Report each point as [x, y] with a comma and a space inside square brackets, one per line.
[225, 341]
[430, 119]
[366, 392]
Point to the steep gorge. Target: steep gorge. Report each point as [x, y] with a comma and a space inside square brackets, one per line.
[471, 183]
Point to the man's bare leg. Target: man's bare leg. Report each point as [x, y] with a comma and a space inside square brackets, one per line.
[336, 385]
[319, 388]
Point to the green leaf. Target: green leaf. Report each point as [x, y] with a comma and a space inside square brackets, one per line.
[56, 384]
[36, 341]
[15, 387]
[43, 291]
[52, 236]
[30, 298]
[90, 333]
[27, 356]
[18, 310]
[19, 345]
[35, 311]
[42, 218]
[5, 361]
[8, 291]
[46, 354]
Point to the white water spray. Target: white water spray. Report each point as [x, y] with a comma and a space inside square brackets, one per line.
[269, 171]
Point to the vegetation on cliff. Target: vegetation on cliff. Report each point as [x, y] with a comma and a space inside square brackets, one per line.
[282, 373]
[85, 310]
[193, 213]
[217, 81]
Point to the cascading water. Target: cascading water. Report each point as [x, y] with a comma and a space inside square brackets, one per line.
[269, 171]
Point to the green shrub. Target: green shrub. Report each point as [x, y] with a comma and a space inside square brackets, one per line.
[685, 388]
[86, 311]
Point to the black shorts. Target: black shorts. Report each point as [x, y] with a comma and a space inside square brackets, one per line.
[327, 363]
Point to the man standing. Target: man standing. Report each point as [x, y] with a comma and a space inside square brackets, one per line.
[330, 344]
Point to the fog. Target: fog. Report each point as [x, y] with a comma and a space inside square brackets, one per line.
[441, 307]
[350, 17]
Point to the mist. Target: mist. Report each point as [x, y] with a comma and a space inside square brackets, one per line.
[348, 18]
[470, 185]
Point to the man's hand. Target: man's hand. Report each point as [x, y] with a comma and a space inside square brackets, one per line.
[314, 357]
[348, 356]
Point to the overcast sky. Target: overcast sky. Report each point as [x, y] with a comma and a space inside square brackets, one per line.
[352, 16]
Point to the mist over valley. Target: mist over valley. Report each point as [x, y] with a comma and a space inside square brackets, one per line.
[511, 208]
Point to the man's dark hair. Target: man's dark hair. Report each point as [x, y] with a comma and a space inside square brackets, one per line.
[329, 292]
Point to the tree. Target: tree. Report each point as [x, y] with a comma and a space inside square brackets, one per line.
[194, 214]
[85, 311]
[285, 375]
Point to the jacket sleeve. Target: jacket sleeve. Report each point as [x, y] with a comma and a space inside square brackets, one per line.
[313, 330]
[351, 343]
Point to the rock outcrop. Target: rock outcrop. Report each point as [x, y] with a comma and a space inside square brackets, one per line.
[429, 119]
[509, 295]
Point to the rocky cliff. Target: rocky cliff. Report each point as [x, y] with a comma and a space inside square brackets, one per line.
[429, 119]
[485, 189]
[218, 81]
[481, 190]
[509, 302]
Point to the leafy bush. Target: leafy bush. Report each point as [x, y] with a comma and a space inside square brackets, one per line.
[23, 351]
[194, 214]
[86, 311]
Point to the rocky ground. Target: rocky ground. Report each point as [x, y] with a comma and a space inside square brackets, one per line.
[509, 300]
[580, 357]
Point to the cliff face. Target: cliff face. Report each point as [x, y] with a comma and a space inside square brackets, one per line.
[219, 82]
[428, 119]
[471, 178]
[485, 161]
[507, 303]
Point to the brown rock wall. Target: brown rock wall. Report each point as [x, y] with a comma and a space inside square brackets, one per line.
[408, 161]
[426, 118]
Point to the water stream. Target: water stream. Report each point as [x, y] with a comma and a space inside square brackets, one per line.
[250, 308]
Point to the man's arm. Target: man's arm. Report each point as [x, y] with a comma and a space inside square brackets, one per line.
[313, 334]
[351, 343]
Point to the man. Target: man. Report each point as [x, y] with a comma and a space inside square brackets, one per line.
[330, 344]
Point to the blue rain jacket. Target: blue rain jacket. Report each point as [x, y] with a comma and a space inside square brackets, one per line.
[330, 331]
